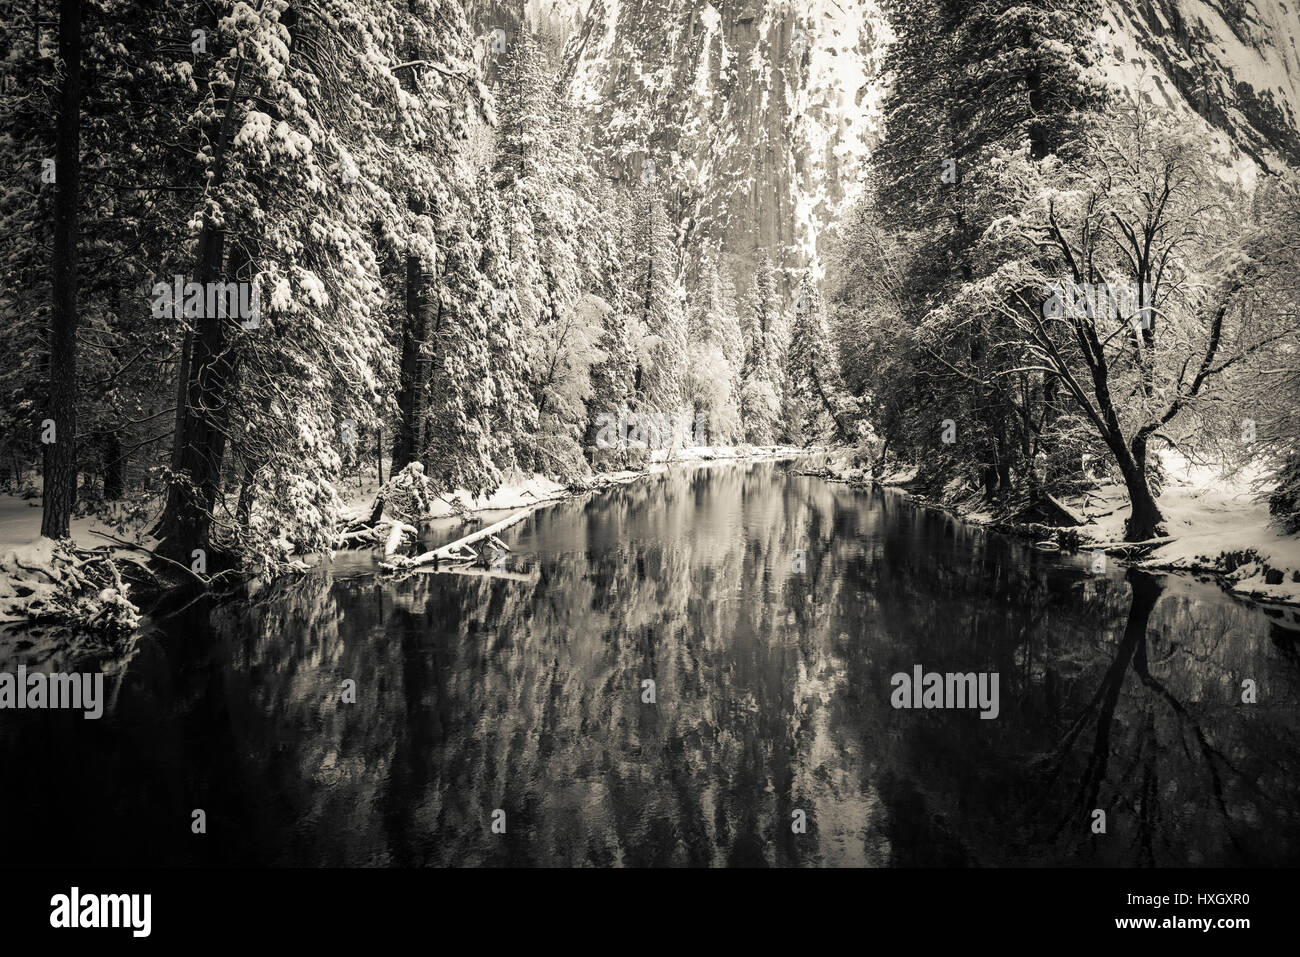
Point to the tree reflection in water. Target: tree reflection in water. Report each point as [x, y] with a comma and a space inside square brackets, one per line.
[524, 693]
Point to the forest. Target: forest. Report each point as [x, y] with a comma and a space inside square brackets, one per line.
[256, 250]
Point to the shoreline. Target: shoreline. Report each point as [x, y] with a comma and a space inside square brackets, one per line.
[1218, 571]
[35, 569]
[510, 496]
[1078, 540]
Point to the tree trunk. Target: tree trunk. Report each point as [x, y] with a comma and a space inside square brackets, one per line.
[410, 394]
[207, 373]
[244, 506]
[114, 466]
[61, 454]
[990, 481]
[186, 523]
[1145, 521]
[879, 468]
[830, 410]
[1003, 460]
[182, 383]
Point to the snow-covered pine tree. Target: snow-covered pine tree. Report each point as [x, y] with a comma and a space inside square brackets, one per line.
[25, 205]
[419, 152]
[655, 285]
[613, 378]
[524, 175]
[717, 350]
[481, 418]
[458, 447]
[298, 184]
[513, 421]
[762, 374]
[558, 244]
[812, 378]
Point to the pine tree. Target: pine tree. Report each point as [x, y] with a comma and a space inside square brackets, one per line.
[762, 373]
[458, 450]
[613, 378]
[717, 350]
[299, 183]
[657, 299]
[60, 467]
[514, 415]
[560, 246]
[811, 377]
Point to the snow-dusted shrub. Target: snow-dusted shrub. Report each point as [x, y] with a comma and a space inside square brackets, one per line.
[709, 381]
[129, 515]
[558, 454]
[408, 495]
[616, 458]
[47, 581]
[294, 504]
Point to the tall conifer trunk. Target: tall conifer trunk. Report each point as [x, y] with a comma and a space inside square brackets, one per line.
[61, 454]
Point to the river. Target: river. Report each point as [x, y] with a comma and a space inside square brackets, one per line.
[506, 719]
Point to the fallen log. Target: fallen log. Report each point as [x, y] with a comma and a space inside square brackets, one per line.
[531, 577]
[395, 535]
[1120, 545]
[460, 549]
[1064, 511]
[1129, 549]
[362, 536]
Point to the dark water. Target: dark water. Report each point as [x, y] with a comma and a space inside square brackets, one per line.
[1119, 692]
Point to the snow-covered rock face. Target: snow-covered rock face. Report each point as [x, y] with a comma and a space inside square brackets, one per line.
[1235, 62]
[758, 113]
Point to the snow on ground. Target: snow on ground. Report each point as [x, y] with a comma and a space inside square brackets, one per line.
[20, 519]
[523, 491]
[26, 575]
[709, 453]
[45, 581]
[20, 524]
[1217, 525]
[519, 493]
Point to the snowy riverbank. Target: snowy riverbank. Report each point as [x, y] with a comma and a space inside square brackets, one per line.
[35, 572]
[1215, 525]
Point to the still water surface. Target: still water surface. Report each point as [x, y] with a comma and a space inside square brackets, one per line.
[524, 692]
